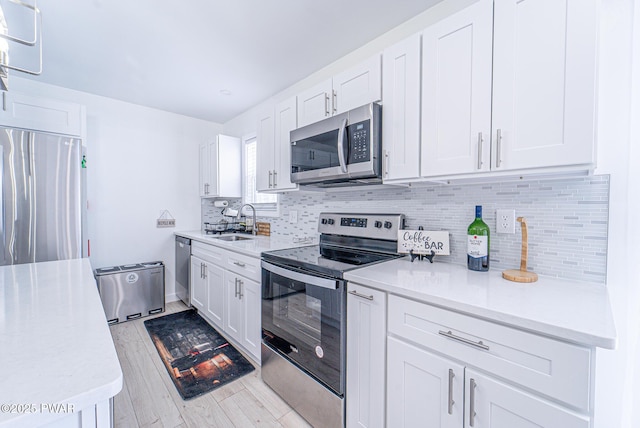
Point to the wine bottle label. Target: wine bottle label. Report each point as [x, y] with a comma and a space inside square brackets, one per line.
[477, 246]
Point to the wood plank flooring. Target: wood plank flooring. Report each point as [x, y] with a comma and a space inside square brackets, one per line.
[149, 398]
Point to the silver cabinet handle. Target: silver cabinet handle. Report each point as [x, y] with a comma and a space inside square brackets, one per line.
[239, 264]
[270, 175]
[450, 335]
[204, 271]
[334, 100]
[472, 401]
[364, 296]
[498, 148]
[451, 402]
[240, 284]
[201, 274]
[326, 104]
[236, 287]
[4, 101]
[275, 179]
[480, 140]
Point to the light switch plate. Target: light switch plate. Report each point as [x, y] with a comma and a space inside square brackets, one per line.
[293, 216]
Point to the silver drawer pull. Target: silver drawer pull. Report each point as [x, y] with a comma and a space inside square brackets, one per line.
[239, 264]
[364, 296]
[450, 335]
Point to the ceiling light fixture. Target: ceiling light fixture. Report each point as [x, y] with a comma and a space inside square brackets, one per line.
[6, 38]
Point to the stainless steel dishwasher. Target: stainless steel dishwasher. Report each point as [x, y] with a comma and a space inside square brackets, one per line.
[183, 269]
[131, 291]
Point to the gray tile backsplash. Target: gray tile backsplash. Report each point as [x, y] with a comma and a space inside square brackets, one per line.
[567, 219]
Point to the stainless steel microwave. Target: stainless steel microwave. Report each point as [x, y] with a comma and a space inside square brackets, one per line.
[341, 150]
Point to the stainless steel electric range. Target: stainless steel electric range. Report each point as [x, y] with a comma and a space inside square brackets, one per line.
[304, 310]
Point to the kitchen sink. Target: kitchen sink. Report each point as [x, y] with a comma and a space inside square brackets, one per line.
[232, 238]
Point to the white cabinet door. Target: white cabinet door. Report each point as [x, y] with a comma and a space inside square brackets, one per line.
[492, 404]
[250, 295]
[285, 122]
[314, 104]
[544, 90]
[215, 291]
[358, 86]
[198, 283]
[41, 114]
[213, 178]
[204, 170]
[401, 110]
[366, 342]
[221, 168]
[456, 92]
[233, 306]
[422, 388]
[265, 162]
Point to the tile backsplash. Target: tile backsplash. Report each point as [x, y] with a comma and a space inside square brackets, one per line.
[567, 219]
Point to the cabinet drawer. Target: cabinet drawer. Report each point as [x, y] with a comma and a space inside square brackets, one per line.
[557, 369]
[243, 265]
[210, 253]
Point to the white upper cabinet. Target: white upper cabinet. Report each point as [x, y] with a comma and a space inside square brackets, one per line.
[509, 85]
[456, 92]
[352, 88]
[274, 152]
[220, 168]
[286, 120]
[401, 110]
[544, 83]
[41, 114]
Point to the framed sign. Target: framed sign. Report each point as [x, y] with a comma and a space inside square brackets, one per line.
[423, 242]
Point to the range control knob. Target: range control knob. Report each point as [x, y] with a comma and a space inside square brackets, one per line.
[378, 224]
[387, 225]
[323, 221]
[330, 221]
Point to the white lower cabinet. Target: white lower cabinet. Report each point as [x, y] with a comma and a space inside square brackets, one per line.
[493, 404]
[227, 299]
[423, 387]
[444, 369]
[366, 337]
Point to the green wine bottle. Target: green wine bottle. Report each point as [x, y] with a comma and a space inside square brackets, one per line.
[478, 243]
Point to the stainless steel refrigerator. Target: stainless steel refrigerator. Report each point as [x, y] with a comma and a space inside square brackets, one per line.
[42, 196]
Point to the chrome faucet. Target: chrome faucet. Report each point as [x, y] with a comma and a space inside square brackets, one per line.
[254, 229]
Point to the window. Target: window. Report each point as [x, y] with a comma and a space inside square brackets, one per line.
[266, 204]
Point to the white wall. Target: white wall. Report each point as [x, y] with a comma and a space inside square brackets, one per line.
[618, 372]
[139, 161]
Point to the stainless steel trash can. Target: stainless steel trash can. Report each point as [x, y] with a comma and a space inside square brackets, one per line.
[131, 291]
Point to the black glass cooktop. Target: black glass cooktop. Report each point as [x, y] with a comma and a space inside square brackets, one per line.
[331, 261]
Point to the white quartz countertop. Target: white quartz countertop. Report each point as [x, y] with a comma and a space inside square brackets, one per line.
[578, 312]
[253, 246]
[55, 344]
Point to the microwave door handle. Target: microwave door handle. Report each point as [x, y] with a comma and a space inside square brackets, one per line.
[341, 157]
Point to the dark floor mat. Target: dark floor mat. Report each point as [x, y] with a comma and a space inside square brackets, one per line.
[196, 356]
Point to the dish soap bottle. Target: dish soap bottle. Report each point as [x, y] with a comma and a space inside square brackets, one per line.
[478, 243]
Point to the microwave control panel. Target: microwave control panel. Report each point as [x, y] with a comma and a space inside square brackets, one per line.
[359, 142]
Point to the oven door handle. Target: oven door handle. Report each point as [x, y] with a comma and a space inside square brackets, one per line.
[297, 276]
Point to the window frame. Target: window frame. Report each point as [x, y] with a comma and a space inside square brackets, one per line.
[261, 208]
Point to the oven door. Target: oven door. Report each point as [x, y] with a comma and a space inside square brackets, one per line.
[304, 320]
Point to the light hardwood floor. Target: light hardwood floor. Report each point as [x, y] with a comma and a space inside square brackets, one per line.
[149, 398]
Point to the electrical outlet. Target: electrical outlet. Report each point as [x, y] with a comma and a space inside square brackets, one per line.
[506, 221]
[293, 216]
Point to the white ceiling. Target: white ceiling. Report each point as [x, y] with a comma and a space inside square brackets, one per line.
[178, 55]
